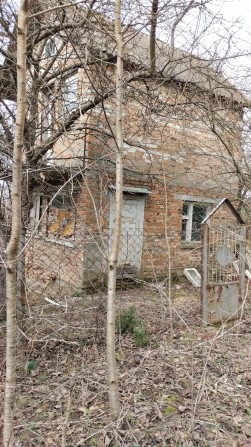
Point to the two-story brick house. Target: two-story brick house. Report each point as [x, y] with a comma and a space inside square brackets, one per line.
[182, 148]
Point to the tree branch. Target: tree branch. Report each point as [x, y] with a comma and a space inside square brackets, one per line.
[63, 127]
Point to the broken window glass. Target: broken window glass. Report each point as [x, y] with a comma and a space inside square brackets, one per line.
[61, 201]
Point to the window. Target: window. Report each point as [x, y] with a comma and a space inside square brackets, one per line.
[70, 94]
[48, 117]
[50, 47]
[192, 216]
[57, 220]
[36, 213]
[60, 222]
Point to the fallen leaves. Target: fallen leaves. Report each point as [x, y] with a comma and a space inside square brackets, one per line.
[157, 405]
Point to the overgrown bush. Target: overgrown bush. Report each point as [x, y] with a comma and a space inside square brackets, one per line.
[128, 323]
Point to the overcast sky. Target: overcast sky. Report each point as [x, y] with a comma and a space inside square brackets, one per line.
[236, 8]
[240, 10]
[226, 42]
[237, 11]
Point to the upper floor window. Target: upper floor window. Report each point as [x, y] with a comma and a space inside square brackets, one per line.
[48, 116]
[70, 94]
[50, 47]
[192, 216]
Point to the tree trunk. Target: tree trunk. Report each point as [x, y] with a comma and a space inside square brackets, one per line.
[153, 36]
[21, 300]
[4, 238]
[12, 248]
[113, 256]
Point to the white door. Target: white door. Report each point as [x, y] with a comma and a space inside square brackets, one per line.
[132, 231]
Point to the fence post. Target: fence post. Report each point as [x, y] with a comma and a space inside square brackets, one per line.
[242, 258]
[204, 256]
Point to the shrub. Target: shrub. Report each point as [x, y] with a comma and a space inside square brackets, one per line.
[127, 321]
[31, 365]
[140, 335]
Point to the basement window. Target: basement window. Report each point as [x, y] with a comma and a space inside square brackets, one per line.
[192, 216]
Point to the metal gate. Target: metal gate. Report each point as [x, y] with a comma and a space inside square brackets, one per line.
[223, 263]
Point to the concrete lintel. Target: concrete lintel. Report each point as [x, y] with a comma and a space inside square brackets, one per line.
[188, 198]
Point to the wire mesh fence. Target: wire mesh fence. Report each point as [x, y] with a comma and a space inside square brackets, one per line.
[224, 253]
[56, 268]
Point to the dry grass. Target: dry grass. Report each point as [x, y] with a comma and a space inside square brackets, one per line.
[200, 399]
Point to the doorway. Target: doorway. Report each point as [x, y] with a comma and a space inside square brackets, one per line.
[130, 255]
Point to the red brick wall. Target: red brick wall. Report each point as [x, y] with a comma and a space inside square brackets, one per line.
[173, 152]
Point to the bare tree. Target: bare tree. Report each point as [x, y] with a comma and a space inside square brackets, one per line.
[12, 248]
[113, 257]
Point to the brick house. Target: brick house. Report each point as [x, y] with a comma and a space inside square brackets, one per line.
[182, 133]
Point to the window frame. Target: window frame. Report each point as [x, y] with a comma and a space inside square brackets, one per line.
[68, 104]
[48, 116]
[50, 47]
[36, 213]
[189, 218]
[40, 215]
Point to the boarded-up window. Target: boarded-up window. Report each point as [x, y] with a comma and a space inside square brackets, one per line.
[55, 219]
[61, 217]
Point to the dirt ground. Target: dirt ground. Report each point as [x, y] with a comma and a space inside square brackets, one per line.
[196, 395]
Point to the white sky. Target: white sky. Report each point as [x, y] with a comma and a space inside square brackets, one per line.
[229, 37]
[239, 11]
[236, 8]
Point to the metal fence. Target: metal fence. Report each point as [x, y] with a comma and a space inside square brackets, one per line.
[57, 268]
